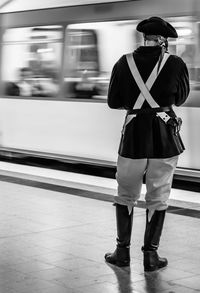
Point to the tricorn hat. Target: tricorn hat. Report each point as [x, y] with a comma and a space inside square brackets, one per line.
[157, 26]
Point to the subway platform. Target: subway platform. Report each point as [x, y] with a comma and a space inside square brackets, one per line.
[56, 227]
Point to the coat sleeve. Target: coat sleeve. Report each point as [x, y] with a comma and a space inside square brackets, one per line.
[114, 99]
[183, 88]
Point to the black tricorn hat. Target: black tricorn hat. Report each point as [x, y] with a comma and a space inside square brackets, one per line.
[157, 26]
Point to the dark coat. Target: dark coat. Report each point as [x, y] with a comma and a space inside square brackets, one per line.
[147, 136]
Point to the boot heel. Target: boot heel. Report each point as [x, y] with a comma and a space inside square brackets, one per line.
[120, 257]
[153, 262]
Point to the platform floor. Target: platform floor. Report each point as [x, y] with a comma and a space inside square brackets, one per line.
[53, 241]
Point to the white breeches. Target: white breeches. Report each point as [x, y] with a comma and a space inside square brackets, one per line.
[159, 175]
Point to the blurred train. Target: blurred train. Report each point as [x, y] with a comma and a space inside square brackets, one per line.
[55, 70]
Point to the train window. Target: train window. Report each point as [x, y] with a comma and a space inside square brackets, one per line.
[32, 60]
[83, 49]
[187, 46]
[90, 53]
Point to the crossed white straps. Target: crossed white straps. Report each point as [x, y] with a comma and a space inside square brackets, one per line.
[145, 88]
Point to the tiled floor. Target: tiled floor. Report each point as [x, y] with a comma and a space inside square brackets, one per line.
[54, 242]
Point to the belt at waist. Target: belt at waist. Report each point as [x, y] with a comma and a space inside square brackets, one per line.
[149, 110]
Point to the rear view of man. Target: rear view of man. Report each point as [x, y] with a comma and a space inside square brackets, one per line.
[147, 83]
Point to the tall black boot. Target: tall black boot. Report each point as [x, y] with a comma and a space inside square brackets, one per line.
[153, 231]
[121, 256]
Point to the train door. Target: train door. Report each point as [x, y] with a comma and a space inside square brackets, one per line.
[82, 62]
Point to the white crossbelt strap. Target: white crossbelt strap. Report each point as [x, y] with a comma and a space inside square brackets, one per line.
[145, 88]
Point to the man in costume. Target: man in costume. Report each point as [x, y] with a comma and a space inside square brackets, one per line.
[147, 83]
